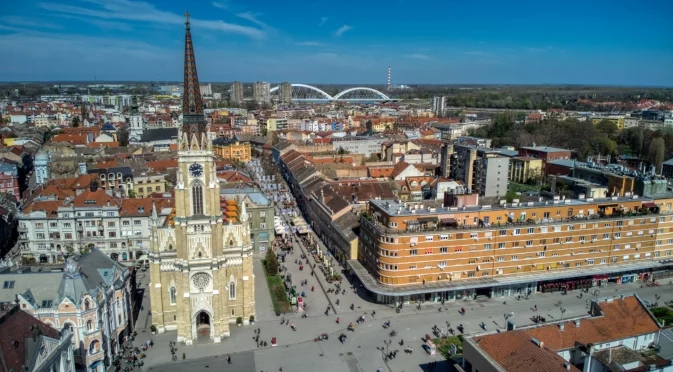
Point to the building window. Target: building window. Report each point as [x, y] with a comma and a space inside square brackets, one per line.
[413, 252]
[232, 291]
[173, 295]
[444, 250]
[501, 245]
[89, 325]
[94, 347]
[197, 199]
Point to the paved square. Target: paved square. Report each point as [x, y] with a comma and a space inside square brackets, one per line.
[240, 362]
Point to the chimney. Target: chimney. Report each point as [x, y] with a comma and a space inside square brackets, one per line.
[35, 332]
[561, 327]
[566, 365]
[577, 323]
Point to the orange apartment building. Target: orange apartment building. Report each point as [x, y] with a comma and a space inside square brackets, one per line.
[411, 252]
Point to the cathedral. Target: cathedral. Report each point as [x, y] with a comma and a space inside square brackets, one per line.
[201, 279]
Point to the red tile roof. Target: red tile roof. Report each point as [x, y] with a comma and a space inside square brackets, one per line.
[16, 327]
[622, 318]
[516, 352]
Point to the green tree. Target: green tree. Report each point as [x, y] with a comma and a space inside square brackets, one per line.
[271, 263]
[607, 127]
[657, 153]
[75, 122]
[604, 146]
[132, 194]
[123, 136]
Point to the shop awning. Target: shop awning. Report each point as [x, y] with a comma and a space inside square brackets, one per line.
[448, 221]
[650, 205]
[427, 219]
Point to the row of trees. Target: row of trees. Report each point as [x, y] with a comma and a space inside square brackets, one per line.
[582, 137]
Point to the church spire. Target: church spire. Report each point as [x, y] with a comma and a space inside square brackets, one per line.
[193, 122]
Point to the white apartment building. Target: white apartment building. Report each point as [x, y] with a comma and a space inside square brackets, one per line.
[50, 228]
[439, 105]
[358, 145]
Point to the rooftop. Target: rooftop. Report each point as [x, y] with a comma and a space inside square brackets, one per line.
[529, 349]
[544, 149]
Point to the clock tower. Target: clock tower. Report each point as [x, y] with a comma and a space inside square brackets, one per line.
[201, 257]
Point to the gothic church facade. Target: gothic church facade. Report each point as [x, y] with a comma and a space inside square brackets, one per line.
[201, 276]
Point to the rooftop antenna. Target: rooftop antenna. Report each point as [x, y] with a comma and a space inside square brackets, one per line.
[388, 78]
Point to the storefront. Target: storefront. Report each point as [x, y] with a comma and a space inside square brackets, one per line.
[564, 285]
[514, 290]
[629, 278]
[600, 280]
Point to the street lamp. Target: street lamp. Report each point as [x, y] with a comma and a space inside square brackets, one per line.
[387, 343]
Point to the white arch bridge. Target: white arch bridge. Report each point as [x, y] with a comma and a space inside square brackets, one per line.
[304, 92]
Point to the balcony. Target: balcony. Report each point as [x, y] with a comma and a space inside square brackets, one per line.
[419, 227]
[23, 228]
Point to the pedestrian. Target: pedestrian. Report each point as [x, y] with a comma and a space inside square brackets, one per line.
[535, 308]
[228, 359]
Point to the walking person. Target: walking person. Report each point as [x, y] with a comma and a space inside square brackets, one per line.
[228, 359]
[535, 307]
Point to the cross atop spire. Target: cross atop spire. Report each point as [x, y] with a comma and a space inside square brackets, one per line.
[187, 19]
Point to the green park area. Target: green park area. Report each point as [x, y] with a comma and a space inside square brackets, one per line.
[664, 314]
[444, 346]
[279, 298]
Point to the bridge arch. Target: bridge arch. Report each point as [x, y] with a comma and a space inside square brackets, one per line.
[381, 95]
[322, 92]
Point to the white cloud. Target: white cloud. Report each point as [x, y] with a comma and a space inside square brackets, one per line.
[538, 50]
[322, 21]
[29, 22]
[252, 17]
[309, 43]
[342, 30]
[417, 56]
[144, 12]
[221, 4]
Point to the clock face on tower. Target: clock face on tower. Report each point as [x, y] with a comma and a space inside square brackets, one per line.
[196, 170]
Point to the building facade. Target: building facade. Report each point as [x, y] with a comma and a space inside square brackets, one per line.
[146, 184]
[90, 299]
[522, 169]
[201, 278]
[51, 228]
[239, 151]
[41, 168]
[439, 106]
[285, 93]
[261, 213]
[358, 145]
[36, 347]
[261, 92]
[236, 93]
[448, 253]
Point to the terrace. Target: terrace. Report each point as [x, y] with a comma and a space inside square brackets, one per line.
[429, 222]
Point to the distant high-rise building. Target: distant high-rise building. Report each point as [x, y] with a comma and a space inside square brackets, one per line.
[285, 91]
[261, 92]
[206, 89]
[236, 92]
[439, 105]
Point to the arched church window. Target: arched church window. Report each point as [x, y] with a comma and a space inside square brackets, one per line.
[231, 242]
[173, 295]
[232, 291]
[197, 199]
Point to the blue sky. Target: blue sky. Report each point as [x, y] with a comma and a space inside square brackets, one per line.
[614, 42]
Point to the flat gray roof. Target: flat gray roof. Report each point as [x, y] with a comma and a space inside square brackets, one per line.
[544, 148]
